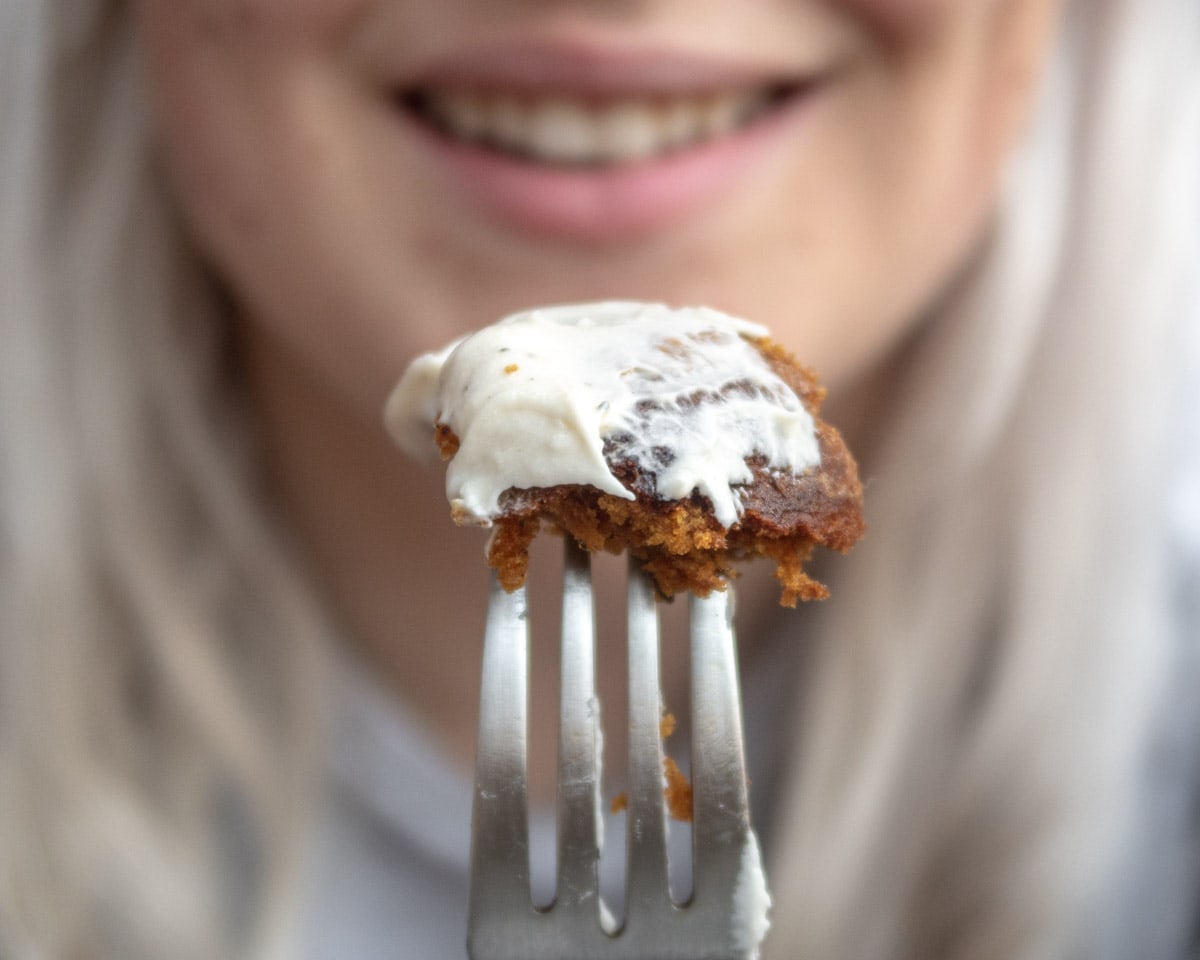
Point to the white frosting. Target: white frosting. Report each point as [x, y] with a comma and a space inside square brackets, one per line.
[751, 901]
[534, 398]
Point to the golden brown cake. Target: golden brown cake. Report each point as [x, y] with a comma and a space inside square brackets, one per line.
[684, 437]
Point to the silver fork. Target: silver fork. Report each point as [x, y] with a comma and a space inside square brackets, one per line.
[503, 924]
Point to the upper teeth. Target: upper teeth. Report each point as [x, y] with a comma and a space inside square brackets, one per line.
[565, 130]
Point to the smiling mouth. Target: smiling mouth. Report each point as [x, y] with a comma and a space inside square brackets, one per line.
[574, 131]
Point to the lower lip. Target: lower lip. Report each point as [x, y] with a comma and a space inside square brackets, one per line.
[610, 204]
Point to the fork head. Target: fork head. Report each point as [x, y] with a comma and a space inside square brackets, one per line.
[725, 917]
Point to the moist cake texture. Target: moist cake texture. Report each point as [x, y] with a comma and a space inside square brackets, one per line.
[684, 436]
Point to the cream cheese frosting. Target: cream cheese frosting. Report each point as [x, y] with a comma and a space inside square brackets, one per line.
[751, 901]
[548, 396]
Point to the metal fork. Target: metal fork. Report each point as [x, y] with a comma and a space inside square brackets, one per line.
[503, 924]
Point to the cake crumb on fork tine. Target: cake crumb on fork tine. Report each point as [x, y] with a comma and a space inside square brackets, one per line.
[726, 915]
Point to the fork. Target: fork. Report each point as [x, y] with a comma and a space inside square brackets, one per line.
[503, 923]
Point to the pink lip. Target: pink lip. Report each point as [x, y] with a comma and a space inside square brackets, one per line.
[600, 205]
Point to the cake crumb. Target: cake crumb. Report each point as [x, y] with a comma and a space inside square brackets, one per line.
[678, 792]
[446, 440]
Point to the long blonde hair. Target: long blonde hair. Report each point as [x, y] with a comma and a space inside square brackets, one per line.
[160, 660]
[977, 718]
[972, 727]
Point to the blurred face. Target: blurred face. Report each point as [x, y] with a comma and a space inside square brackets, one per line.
[374, 177]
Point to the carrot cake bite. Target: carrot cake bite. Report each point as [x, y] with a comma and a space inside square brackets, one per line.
[683, 436]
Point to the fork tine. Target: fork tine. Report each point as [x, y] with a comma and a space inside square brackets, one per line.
[646, 882]
[578, 760]
[500, 824]
[721, 819]
[723, 920]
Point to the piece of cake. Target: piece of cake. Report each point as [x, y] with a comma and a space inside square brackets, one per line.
[683, 436]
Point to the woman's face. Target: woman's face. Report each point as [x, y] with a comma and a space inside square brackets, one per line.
[375, 177]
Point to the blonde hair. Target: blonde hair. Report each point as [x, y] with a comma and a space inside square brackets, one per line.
[971, 729]
[160, 660]
[979, 710]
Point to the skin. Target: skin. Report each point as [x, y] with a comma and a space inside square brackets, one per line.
[346, 256]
